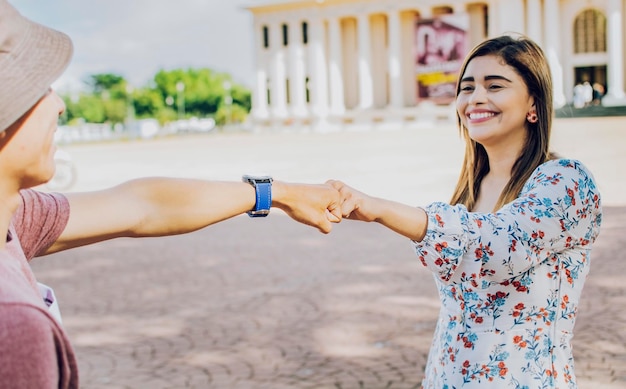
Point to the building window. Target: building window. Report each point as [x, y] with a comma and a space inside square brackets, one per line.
[285, 35]
[590, 32]
[444, 10]
[308, 90]
[288, 95]
[486, 20]
[269, 92]
[266, 37]
[305, 33]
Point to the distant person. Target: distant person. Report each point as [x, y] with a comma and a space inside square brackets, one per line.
[587, 93]
[598, 93]
[35, 351]
[579, 96]
[511, 250]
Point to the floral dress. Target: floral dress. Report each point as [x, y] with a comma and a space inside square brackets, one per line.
[510, 283]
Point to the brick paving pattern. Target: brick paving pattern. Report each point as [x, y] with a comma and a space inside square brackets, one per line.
[268, 303]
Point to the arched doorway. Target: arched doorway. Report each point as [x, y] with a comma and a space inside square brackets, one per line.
[590, 54]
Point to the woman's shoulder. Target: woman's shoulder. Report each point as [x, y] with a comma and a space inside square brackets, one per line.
[563, 173]
[564, 167]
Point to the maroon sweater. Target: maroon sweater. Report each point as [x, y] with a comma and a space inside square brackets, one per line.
[34, 350]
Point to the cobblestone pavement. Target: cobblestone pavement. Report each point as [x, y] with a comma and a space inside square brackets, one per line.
[268, 303]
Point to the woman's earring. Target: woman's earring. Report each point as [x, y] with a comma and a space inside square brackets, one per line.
[532, 117]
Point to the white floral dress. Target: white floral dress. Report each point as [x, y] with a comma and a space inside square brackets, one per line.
[510, 283]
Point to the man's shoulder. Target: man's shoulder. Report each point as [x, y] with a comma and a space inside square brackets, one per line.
[23, 324]
[16, 311]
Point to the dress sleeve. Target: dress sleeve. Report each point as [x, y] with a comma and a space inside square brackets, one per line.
[558, 209]
[40, 220]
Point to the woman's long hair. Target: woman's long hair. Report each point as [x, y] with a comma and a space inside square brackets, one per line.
[529, 61]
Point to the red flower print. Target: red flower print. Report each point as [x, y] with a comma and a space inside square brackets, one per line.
[439, 220]
[440, 246]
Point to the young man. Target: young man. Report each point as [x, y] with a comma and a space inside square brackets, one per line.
[35, 350]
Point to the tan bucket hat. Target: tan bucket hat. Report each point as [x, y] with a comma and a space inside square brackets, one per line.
[32, 57]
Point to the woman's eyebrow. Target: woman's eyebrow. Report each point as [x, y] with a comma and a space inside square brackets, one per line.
[496, 77]
[487, 78]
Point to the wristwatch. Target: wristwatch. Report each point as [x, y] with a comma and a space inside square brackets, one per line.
[263, 187]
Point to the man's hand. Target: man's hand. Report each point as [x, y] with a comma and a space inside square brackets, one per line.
[314, 205]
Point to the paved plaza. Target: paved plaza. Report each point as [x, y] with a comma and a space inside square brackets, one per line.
[272, 304]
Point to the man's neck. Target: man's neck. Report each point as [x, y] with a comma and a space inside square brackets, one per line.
[8, 205]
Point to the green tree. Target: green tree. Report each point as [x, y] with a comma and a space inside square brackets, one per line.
[88, 107]
[100, 83]
[205, 93]
[148, 102]
[204, 90]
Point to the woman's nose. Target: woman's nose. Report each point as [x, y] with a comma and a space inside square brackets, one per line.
[479, 95]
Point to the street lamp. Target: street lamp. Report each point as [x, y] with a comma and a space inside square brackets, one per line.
[130, 109]
[228, 99]
[169, 100]
[180, 100]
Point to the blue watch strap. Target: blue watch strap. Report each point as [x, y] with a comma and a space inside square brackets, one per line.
[263, 194]
[263, 199]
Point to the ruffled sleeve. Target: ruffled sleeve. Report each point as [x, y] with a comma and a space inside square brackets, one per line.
[558, 209]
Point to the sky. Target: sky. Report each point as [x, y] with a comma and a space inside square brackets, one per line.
[137, 38]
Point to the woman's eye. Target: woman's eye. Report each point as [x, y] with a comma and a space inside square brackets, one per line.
[495, 86]
[466, 88]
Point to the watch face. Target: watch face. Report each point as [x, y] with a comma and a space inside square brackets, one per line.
[256, 179]
[261, 212]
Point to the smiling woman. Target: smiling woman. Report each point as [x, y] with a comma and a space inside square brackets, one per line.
[510, 252]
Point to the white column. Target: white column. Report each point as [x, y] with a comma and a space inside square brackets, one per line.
[260, 93]
[278, 89]
[407, 26]
[615, 67]
[366, 95]
[552, 43]
[297, 90]
[319, 74]
[337, 104]
[259, 102]
[395, 62]
[511, 16]
[533, 21]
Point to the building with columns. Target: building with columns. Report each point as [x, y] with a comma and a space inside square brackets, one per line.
[324, 64]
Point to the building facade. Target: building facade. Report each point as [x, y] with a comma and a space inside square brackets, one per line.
[324, 64]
